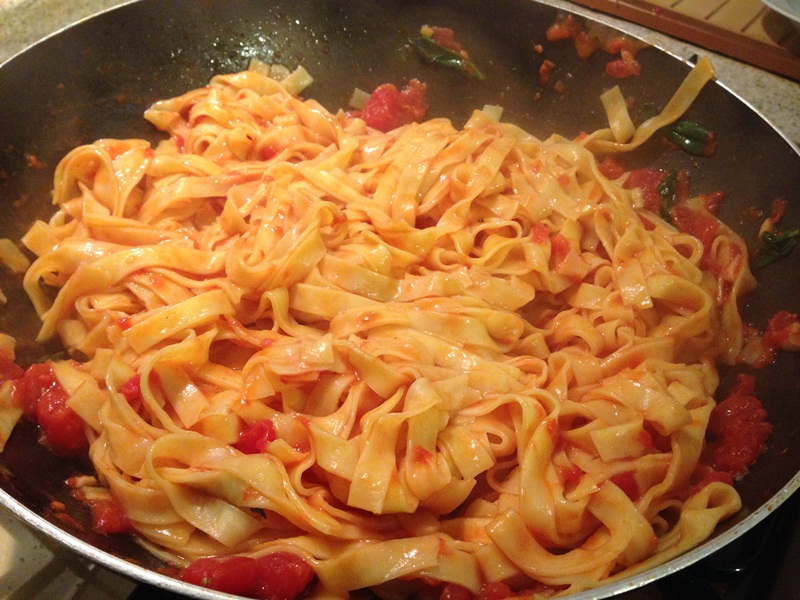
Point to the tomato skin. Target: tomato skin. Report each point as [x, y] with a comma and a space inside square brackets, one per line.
[256, 438]
[230, 574]
[281, 576]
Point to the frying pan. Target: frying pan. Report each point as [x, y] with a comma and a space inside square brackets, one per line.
[95, 79]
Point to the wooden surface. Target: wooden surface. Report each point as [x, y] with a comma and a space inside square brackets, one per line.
[743, 29]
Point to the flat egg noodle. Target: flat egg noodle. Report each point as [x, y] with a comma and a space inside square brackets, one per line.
[463, 338]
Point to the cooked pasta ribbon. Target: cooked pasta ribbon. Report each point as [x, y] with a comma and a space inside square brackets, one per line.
[466, 341]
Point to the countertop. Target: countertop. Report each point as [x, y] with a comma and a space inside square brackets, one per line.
[777, 99]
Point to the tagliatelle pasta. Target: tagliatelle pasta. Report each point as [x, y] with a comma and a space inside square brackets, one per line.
[473, 357]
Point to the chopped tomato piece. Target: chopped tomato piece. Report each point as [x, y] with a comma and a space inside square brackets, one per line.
[586, 44]
[494, 590]
[545, 70]
[703, 226]
[610, 168]
[132, 389]
[626, 66]
[563, 29]
[108, 516]
[256, 438]
[44, 399]
[453, 591]
[281, 576]
[446, 38]
[230, 574]
[62, 429]
[38, 379]
[738, 429]
[389, 108]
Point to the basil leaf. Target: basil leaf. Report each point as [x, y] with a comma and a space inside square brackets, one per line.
[775, 246]
[434, 53]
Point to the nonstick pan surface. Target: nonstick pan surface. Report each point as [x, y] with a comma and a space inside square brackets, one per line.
[95, 79]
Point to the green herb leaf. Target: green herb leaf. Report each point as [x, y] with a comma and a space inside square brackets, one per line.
[692, 138]
[434, 53]
[775, 246]
[666, 189]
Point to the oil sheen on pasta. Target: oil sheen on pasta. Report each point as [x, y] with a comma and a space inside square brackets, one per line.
[432, 354]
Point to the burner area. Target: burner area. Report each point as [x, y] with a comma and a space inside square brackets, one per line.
[760, 564]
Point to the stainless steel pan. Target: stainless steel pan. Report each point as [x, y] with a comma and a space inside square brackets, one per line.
[95, 79]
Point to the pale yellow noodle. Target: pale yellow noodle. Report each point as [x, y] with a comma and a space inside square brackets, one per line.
[393, 304]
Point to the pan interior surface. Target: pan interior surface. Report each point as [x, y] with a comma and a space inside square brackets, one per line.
[94, 80]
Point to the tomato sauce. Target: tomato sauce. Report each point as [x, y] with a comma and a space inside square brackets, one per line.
[737, 430]
[780, 328]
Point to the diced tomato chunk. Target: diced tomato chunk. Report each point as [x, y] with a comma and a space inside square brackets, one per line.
[737, 429]
[256, 437]
[703, 226]
[389, 108]
[44, 400]
[108, 516]
[38, 379]
[610, 168]
[276, 576]
[494, 590]
[231, 574]
[62, 429]
[626, 66]
[453, 591]
[132, 389]
[446, 38]
[281, 576]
